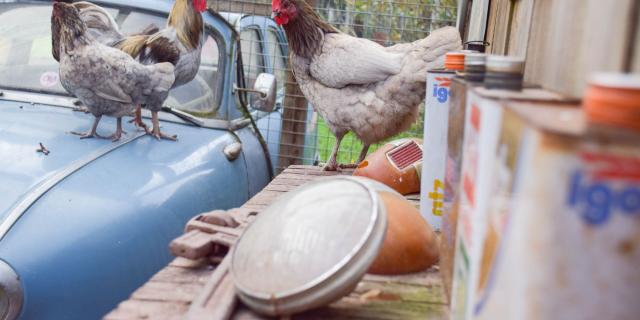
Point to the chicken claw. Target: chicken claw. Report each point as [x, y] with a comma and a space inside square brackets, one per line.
[91, 133]
[332, 164]
[363, 154]
[156, 129]
[137, 120]
[116, 135]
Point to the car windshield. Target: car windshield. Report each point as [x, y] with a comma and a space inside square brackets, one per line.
[26, 62]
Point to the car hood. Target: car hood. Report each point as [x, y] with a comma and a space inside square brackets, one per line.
[23, 127]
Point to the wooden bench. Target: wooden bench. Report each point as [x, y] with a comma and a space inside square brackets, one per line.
[170, 292]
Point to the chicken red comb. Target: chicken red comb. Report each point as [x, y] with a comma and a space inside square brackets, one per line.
[275, 4]
[200, 5]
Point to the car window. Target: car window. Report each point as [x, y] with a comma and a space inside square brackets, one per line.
[26, 62]
[277, 57]
[199, 96]
[251, 55]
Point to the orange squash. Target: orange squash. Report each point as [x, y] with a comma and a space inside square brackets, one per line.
[410, 244]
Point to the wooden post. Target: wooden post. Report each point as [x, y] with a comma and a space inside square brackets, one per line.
[255, 7]
[294, 124]
[294, 118]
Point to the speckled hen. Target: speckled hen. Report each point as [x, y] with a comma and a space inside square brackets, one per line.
[106, 80]
[355, 84]
[179, 43]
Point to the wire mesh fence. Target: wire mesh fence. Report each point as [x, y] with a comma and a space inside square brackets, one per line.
[296, 134]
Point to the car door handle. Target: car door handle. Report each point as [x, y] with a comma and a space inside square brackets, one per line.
[232, 150]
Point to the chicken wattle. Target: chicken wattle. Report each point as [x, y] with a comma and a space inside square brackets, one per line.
[356, 84]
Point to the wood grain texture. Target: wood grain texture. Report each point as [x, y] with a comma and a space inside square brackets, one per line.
[170, 293]
[498, 26]
[571, 39]
[520, 28]
[478, 20]
[635, 46]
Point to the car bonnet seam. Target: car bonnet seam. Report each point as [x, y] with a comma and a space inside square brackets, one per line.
[35, 193]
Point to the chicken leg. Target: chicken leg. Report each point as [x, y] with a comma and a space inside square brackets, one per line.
[332, 163]
[363, 154]
[137, 120]
[156, 129]
[91, 133]
[118, 134]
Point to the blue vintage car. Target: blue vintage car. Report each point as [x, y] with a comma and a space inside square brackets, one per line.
[82, 227]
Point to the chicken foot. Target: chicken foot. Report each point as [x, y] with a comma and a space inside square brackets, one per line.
[156, 129]
[91, 133]
[363, 154]
[137, 120]
[118, 134]
[332, 163]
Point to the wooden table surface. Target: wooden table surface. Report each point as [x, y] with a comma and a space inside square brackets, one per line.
[169, 293]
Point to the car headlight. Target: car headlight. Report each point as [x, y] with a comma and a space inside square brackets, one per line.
[10, 293]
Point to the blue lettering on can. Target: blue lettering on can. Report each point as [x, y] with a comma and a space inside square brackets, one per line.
[597, 201]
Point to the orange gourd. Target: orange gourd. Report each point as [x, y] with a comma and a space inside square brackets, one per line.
[410, 244]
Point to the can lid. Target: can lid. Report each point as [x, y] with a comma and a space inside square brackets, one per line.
[613, 99]
[475, 59]
[616, 80]
[310, 247]
[506, 64]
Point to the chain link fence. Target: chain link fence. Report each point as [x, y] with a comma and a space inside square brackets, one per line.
[296, 134]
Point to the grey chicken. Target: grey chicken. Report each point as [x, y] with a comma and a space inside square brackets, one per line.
[355, 84]
[180, 43]
[100, 26]
[106, 80]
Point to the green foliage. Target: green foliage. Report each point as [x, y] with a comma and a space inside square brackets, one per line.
[387, 22]
[350, 146]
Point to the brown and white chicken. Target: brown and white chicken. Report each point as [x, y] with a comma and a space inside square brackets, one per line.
[183, 34]
[356, 84]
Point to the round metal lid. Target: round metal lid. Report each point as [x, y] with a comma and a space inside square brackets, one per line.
[506, 64]
[475, 59]
[616, 80]
[310, 247]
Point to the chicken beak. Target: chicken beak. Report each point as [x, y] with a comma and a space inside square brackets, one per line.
[275, 14]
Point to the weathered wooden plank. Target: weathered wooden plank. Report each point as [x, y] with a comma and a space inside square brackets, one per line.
[294, 118]
[136, 309]
[520, 28]
[280, 188]
[634, 47]
[498, 26]
[289, 182]
[256, 7]
[171, 291]
[179, 275]
[167, 291]
[265, 197]
[478, 20]
[569, 41]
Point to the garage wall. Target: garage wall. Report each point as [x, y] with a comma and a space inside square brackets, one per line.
[564, 41]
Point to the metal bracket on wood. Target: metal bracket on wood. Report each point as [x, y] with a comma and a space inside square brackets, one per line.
[212, 235]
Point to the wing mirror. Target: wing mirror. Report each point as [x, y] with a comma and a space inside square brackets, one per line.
[265, 89]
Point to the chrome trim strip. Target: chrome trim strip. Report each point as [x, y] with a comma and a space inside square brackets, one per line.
[10, 283]
[69, 103]
[41, 189]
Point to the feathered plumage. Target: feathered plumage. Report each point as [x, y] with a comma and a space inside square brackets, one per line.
[356, 84]
[106, 80]
[179, 43]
